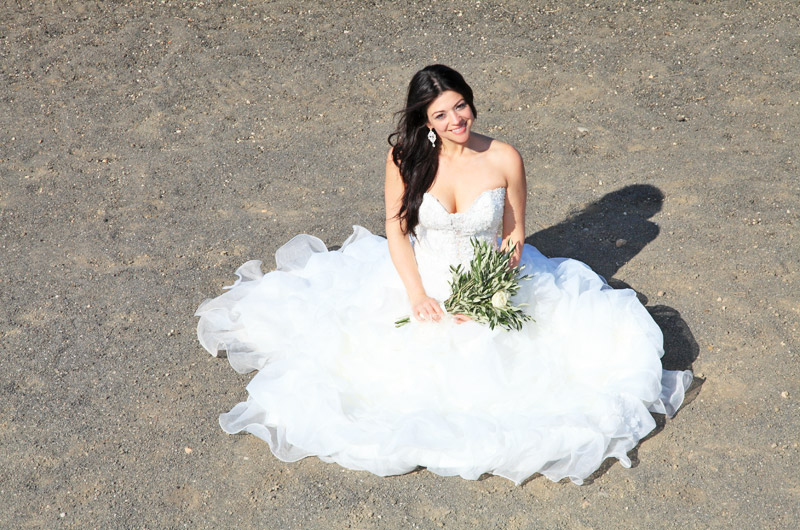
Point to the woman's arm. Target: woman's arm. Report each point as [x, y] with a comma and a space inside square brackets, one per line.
[423, 307]
[516, 197]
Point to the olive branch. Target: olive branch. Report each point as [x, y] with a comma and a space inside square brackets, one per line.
[483, 291]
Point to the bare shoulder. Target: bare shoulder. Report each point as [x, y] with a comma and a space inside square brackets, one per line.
[506, 159]
[497, 150]
[504, 152]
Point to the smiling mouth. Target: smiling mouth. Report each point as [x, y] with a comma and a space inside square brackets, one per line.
[460, 129]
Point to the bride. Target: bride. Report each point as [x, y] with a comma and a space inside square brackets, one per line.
[336, 379]
[437, 156]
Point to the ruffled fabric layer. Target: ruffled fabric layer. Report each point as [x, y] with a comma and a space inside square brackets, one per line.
[336, 379]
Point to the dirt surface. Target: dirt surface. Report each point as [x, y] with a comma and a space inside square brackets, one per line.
[147, 149]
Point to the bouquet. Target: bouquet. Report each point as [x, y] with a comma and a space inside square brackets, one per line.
[483, 292]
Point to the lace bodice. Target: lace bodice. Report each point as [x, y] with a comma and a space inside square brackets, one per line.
[443, 238]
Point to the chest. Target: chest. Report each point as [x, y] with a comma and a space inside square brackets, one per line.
[457, 186]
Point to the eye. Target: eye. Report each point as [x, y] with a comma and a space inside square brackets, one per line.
[438, 116]
[461, 105]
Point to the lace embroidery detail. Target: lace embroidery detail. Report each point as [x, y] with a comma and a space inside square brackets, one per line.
[443, 238]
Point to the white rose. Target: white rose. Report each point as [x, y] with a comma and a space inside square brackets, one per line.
[500, 299]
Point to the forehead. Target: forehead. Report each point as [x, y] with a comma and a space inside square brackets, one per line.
[446, 101]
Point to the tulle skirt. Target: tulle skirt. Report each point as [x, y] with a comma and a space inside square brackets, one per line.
[337, 380]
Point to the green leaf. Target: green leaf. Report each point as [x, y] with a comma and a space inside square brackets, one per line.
[472, 288]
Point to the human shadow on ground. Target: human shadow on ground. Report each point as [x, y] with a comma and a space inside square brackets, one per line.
[605, 235]
[608, 233]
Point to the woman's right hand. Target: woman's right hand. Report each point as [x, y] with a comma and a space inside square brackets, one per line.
[426, 308]
[460, 319]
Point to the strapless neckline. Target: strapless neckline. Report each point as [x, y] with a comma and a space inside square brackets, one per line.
[478, 198]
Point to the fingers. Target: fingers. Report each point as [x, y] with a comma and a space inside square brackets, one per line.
[516, 256]
[428, 309]
[424, 315]
[460, 319]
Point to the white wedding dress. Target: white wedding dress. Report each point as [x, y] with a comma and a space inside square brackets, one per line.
[336, 379]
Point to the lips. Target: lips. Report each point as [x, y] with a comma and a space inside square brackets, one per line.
[459, 130]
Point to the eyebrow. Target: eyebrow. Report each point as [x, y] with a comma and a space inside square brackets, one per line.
[459, 102]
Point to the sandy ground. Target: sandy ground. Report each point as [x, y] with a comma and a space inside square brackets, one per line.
[147, 149]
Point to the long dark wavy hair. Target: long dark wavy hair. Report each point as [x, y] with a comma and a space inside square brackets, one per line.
[412, 152]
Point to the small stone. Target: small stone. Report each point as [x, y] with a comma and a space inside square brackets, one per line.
[661, 293]
[583, 130]
[621, 242]
[187, 450]
[785, 394]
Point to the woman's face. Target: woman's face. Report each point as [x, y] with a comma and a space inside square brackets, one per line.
[451, 117]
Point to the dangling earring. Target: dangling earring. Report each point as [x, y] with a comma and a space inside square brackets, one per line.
[432, 137]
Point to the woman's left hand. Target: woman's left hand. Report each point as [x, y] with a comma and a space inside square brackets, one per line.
[516, 256]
